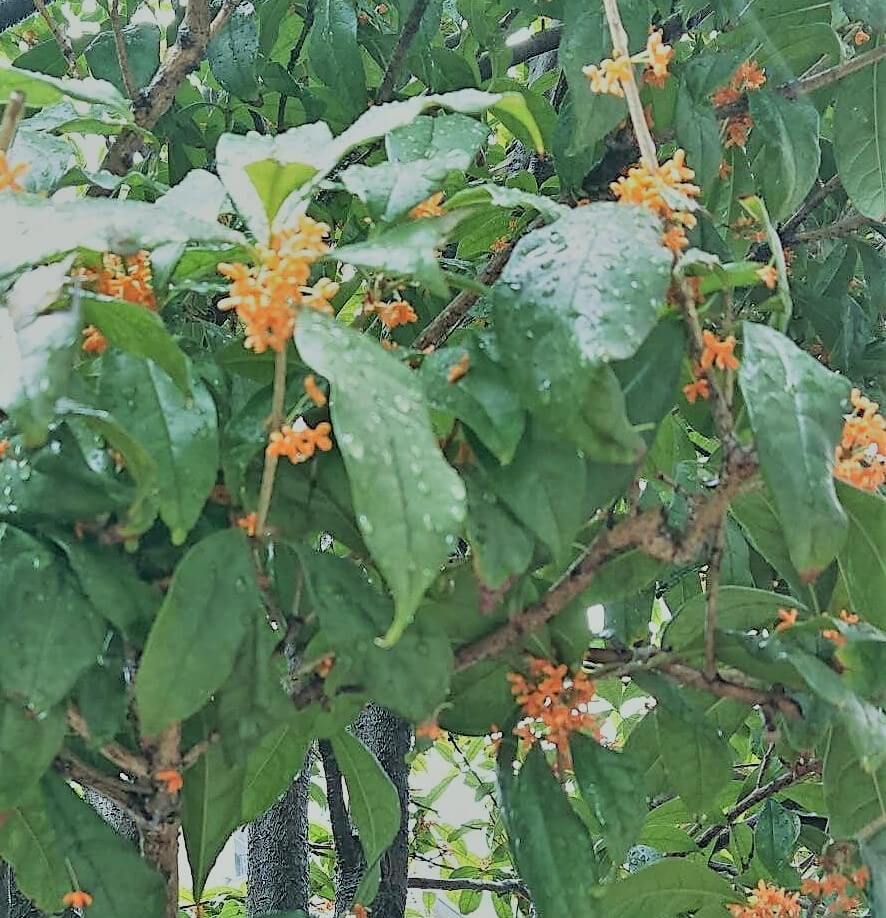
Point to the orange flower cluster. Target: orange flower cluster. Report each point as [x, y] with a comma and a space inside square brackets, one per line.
[834, 637]
[658, 57]
[748, 77]
[860, 457]
[861, 37]
[608, 77]
[313, 391]
[9, 175]
[248, 523]
[850, 618]
[787, 618]
[768, 902]
[324, 667]
[698, 388]
[500, 245]
[395, 313]
[738, 127]
[554, 705]
[4, 446]
[430, 207]
[268, 296]
[300, 445]
[171, 779]
[459, 369]
[77, 899]
[718, 352]
[834, 887]
[127, 279]
[769, 275]
[655, 190]
[429, 730]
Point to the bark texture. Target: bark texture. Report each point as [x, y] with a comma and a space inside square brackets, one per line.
[277, 852]
[12, 903]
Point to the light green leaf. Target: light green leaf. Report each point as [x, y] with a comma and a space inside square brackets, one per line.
[409, 502]
[608, 781]
[860, 138]
[41, 89]
[179, 433]
[142, 43]
[550, 844]
[775, 835]
[862, 560]
[210, 603]
[137, 331]
[37, 347]
[667, 888]
[572, 299]
[233, 53]
[780, 303]
[795, 406]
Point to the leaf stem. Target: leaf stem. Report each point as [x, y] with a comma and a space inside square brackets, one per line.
[404, 42]
[278, 399]
[62, 40]
[11, 116]
[122, 55]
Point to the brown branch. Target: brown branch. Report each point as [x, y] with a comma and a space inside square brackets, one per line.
[757, 796]
[404, 42]
[118, 755]
[501, 887]
[294, 54]
[541, 42]
[845, 227]
[121, 792]
[62, 40]
[11, 116]
[712, 594]
[832, 75]
[153, 102]
[122, 55]
[647, 531]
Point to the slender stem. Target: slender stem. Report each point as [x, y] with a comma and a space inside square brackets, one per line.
[122, 55]
[845, 227]
[502, 887]
[266, 491]
[11, 116]
[833, 74]
[62, 40]
[294, 55]
[631, 90]
[404, 42]
[712, 593]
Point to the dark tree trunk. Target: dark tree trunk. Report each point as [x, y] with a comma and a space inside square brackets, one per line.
[277, 854]
[388, 737]
[12, 903]
[113, 815]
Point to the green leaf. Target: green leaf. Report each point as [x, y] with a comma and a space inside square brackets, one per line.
[211, 806]
[334, 54]
[571, 299]
[51, 633]
[411, 678]
[28, 744]
[40, 229]
[233, 52]
[408, 250]
[106, 864]
[41, 89]
[789, 155]
[210, 603]
[698, 133]
[862, 560]
[427, 138]
[856, 798]
[780, 303]
[696, 759]
[871, 12]
[550, 844]
[608, 781]
[48, 158]
[409, 502]
[480, 697]
[509, 198]
[794, 404]
[775, 835]
[373, 801]
[483, 398]
[38, 346]
[139, 332]
[666, 889]
[738, 609]
[860, 138]
[142, 43]
[271, 767]
[179, 433]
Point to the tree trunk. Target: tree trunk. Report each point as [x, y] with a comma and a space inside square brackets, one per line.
[12, 903]
[160, 849]
[113, 815]
[277, 852]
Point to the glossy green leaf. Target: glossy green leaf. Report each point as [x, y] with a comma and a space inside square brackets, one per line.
[47, 157]
[142, 43]
[139, 332]
[37, 347]
[271, 767]
[789, 155]
[45, 90]
[233, 53]
[334, 54]
[870, 11]
[409, 502]
[667, 889]
[210, 603]
[855, 797]
[570, 300]
[862, 560]
[608, 781]
[775, 835]
[860, 138]
[178, 432]
[550, 845]
[427, 138]
[780, 304]
[795, 408]
[51, 633]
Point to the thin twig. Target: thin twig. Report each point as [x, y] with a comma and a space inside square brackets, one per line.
[845, 227]
[832, 75]
[118, 755]
[294, 55]
[712, 593]
[121, 792]
[631, 90]
[122, 55]
[62, 40]
[266, 490]
[11, 116]
[500, 887]
[404, 43]
[757, 796]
